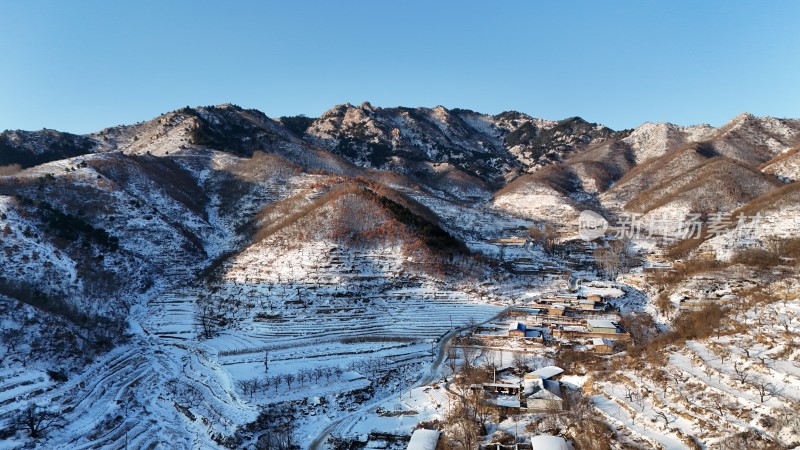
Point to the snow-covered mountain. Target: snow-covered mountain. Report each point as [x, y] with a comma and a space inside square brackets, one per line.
[166, 252]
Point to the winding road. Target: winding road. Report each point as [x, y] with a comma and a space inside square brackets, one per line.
[429, 377]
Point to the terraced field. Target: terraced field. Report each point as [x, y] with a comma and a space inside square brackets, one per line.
[715, 388]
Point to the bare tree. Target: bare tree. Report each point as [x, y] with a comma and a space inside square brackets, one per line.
[471, 326]
[630, 393]
[722, 351]
[785, 320]
[547, 236]
[37, 421]
[12, 337]
[319, 372]
[777, 246]
[184, 393]
[205, 317]
[719, 403]
[741, 373]
[521, 361]
[289, 378]
[468, 353]
[302, 376]
[745, 345]
[641, 326]
[249, 386]
[765, 389]
[464, 429]
[661, 378]
[242, 385]
[276, 382]
[264, 384]
[613, 258]
[452, 358]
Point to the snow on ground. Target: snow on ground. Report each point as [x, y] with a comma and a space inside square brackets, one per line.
[538, 202]
[734, 381]
[619, 414]
[400, 414]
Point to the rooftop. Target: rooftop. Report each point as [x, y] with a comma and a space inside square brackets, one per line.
[546, 372]
[600, 323]
[516, 326]
[423, 440]
[600, 341]
[548, 442]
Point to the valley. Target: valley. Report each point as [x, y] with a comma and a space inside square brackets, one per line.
[215, 278]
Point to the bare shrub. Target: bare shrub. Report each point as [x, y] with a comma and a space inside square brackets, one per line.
[11, 169]
[37, 421]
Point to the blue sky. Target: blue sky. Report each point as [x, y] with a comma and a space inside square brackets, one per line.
[81, 66]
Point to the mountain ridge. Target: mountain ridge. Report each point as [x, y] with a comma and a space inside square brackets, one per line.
[210, 235]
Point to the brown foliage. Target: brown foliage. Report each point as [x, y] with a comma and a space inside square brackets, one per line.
[681, 249]
[747, 439]
[690, 325]
[10, 169]
[641, 327]
[775, 249]
[683, 270]
[356, 213]
[734, 183]
[591, 434]
[756, 257]
[555, 176]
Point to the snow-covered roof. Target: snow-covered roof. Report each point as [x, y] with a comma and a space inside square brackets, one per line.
[600, 323]
[423, 440]
[529, 310]
[516, 326]
[531, 385]
[548, 442]
[546, 372]
[600, 341]
[500, 385]
[506, 402]
[544, 394]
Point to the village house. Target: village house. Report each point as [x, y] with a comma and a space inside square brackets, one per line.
[423, 439]
[548, 442]
[539, 392]
[556, 309]
[602, 346]
[540, 395]
[545, 373]
[517, 329]
[595, 298]
[587, 305]
[601, 326]
[499, 388]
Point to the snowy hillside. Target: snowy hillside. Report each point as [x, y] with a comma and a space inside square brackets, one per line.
[215, 278]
